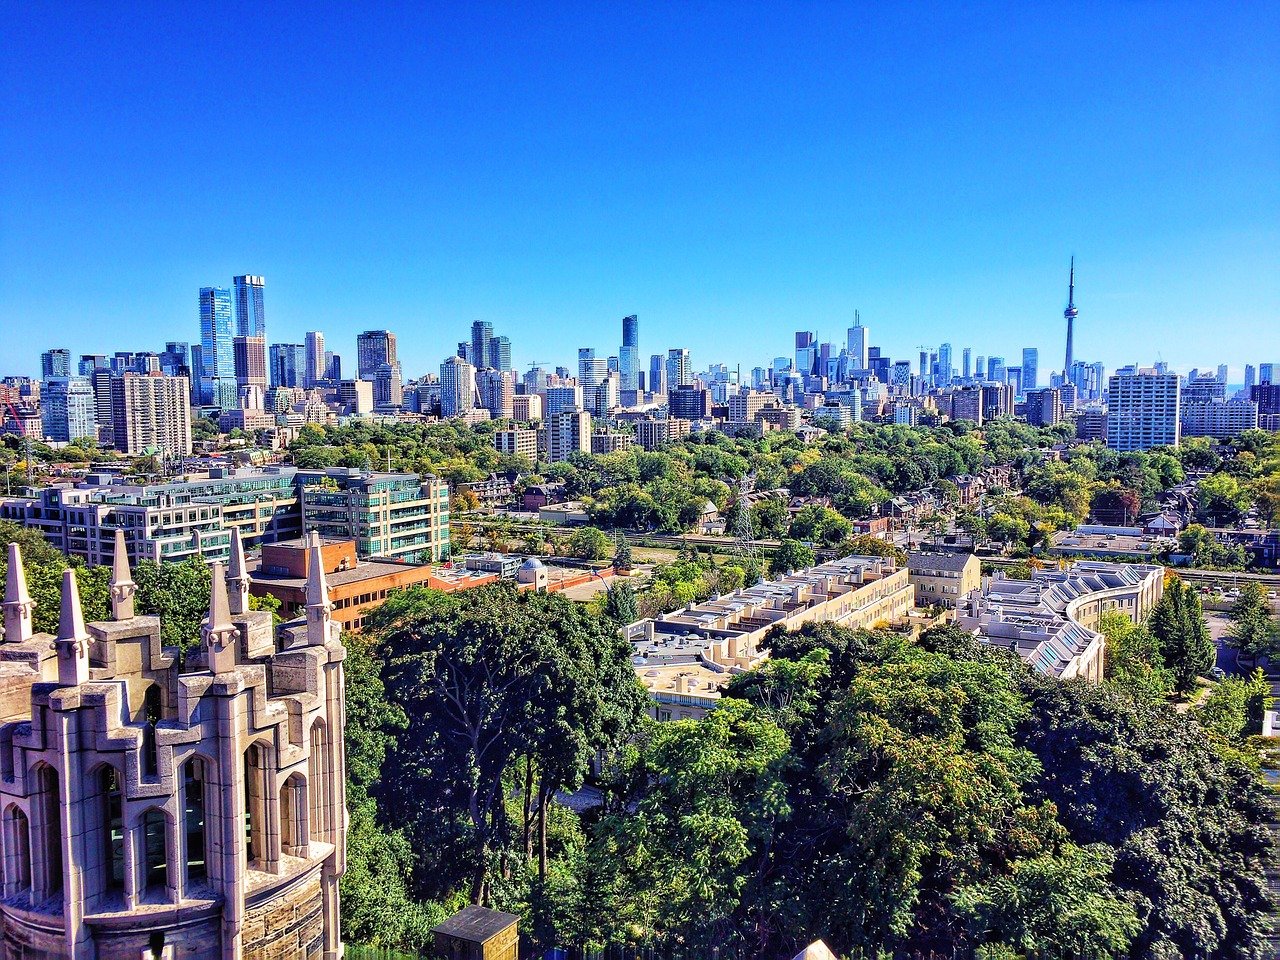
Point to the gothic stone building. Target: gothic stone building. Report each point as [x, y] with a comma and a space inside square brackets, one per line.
[151, 807]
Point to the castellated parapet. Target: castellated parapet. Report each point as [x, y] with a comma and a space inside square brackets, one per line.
[152, 809]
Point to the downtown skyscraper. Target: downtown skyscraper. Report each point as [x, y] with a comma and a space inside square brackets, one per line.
[373, 349]
[629, 354]
[251, 319]
[217, 349]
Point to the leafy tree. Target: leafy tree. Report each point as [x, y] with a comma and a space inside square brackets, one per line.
[1235, 707]
[620, 604]
[589, 543]
[769, 518]
[792, 555]
[1178, 624]
[1253, 631]
[1134, 662]
[622, 555]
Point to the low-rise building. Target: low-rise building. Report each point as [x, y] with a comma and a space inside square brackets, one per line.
[607, 441]
[941, 579]
[1051, 620]
[517, 441]
[678, 655]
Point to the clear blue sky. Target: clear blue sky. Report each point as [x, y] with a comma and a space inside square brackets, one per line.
[730, 173]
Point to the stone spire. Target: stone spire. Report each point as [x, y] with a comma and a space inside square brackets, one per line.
[72, 643]
[122, 586]
[237, 576]
[319, 609]
[18, 605]
[219, 633]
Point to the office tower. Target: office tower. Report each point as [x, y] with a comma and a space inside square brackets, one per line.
[218, 377]
[858, 343]
[1070, 315]
[464, 350]
[373, 349]
[1030, 363]
[900, 374]
[566, 432]
[689, 402]
[526, 407]
[251, 320]
[355, 397]
[1013, 377]
[288, 364]
[100, 381]
[1222, 372]
[481, 334]
[250, 362]
[564, 397]
[944, 365]
[55, 363]
[1143, 409]
[1266, 373]
[1044, 407]
[89, 362]
[980, 368]
[966, 364]
[605, 396]
[657, 374]
[995, 369]
[314, 370]
[151, 412]
[175, 360]
[497, 389]
[629, 354]
[1250, 377]
[591, 369]
[679, 371]
[67, 409]
[499, 353]
[332, 366]
[806, 355]
[388, 386]
[924, 363]
[457, 387]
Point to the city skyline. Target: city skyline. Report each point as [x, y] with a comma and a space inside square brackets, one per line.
[727, 192]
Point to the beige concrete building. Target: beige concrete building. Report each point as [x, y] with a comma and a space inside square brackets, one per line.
[152, 809]
[941, 579]
[684, 658]
[517, 440]
[1051, 620]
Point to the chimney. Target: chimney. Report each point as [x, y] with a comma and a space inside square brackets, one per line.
[18, 605]
[122, 587]
[219, 633]
[72, 644]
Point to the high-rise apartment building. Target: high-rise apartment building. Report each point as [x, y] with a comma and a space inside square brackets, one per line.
[966, 364]
[314, 371]
[478, 350]
[175, 360]
[499, 355]
[1044, 407]
[250, 362]
[564, 397]
[457, 387]
[89, 362]
[859, 337]
[55, 363]
[629, 354]
[373, 349]
[67, 409]
[591, 369]
[497, 389]
[217, 353]
[388, 386]
[1030, 369]
[1219, 418]
[517, 441]
[657, 374]
[288, 364]
[944, 365]
[995, 369]
[566, 432]
[806, 355]
[679, 371]
[1143, 409]
[526, 407]
[251, 319]
[151, 412]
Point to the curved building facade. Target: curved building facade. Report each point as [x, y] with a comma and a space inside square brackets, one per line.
[152, 806]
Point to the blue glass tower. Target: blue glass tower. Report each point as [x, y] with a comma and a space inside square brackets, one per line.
[251, 321]
[629, 355]
[217, 355]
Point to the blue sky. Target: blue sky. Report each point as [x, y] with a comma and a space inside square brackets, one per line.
[730, 172]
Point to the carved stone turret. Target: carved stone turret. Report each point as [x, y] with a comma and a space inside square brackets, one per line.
[219, 633]
[18, 605]
[237, 576]
[123, 588]
[319, 610]
[72, 643]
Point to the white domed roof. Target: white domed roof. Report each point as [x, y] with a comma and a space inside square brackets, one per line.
[533, 563]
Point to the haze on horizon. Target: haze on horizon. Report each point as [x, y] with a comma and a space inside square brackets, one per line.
[729, 173]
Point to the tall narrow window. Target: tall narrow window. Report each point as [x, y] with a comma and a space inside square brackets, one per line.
[112, 828]
[155, 853]
[17, 852]
[318, 783]
[48, 807]
[151, 710]
[294, 830]
[255, 804]
[193, 780]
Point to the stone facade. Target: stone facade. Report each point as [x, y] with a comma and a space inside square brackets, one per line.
[151, 807]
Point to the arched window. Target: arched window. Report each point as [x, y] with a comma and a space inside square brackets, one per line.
[151, 711]
[17, 852]
[318, 783]
[155, 853]
[255, 805]
[193, 786]
[294, 829]
[47, 811]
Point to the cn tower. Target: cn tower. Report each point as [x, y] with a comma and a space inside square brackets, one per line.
[1070, 315]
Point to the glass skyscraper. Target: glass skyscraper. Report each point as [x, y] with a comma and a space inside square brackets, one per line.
[251, 321]
[629, 355]
[217, 348]
[1030, 371]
